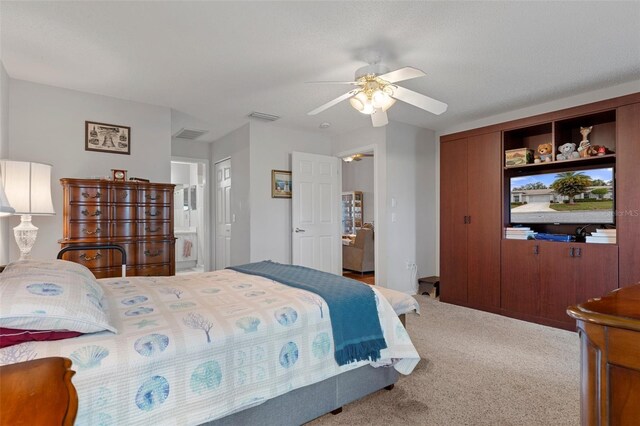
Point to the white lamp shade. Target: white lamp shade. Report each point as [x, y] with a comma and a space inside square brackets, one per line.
[27, 186]
[5, 207]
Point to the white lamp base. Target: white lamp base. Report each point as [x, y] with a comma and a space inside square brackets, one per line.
[25, 234]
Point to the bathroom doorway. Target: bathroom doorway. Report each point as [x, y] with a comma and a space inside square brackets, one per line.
[191, 208]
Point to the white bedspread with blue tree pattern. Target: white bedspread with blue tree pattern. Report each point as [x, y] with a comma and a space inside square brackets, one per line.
[194, 348]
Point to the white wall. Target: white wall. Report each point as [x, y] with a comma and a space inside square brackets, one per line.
[271, 148]
[426, 223]
[235, 145]
[46, 124]
[5, 234]
[358, 176]
[558, 104]
[190, 149]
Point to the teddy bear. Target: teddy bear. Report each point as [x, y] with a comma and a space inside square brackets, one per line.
[567, 152]
[543, 153]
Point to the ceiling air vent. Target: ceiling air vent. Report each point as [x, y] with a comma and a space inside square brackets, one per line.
[189, 133]
[264, 116]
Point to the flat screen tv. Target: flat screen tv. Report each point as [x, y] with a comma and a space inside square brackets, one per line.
[570, 197]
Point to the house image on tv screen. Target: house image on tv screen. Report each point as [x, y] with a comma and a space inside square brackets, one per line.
[566, 197]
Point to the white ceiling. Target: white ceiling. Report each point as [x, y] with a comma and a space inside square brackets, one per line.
[218, 61]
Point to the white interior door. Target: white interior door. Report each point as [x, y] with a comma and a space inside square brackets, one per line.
[317, 186]
[223, 214]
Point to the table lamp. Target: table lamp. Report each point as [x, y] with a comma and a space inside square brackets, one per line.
[27, 187]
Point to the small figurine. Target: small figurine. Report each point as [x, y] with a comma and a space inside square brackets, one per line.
[583, 149]
[602, 150]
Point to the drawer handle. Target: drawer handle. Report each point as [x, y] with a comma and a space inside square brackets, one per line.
[85, 212]
[86, 231]
[86, 258]
[148, 229]
[150, 213]
[124, 194]
[87, 195]
[152, 197]
[152, 254]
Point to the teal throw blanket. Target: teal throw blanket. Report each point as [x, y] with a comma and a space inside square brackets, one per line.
[357, 334]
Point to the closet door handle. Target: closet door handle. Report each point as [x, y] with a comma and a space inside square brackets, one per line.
[466, 220]
[536, 249]
[578, 252]
[572, 252]
[469, 219]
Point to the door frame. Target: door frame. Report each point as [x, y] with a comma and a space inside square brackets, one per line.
[206, 205]
[214, 231]
[378, 225]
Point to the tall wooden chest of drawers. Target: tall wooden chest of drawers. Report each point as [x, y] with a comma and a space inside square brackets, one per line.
[135, 215]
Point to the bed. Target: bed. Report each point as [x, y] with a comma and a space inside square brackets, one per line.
[215, 348]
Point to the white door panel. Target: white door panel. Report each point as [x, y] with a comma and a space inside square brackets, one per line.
[317, 187]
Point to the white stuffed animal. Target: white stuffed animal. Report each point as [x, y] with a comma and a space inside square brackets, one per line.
[567, 152]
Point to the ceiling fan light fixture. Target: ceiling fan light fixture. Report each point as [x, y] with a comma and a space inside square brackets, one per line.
[378, 98]
[362, 103]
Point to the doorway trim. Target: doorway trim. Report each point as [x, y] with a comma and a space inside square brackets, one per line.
[214, 231]
[376, 199]
[206, 194]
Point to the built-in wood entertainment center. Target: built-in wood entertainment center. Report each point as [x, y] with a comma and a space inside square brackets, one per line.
[536, 280]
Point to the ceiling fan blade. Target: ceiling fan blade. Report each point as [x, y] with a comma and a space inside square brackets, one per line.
[353, 83]
[379, 118]
[402, 74]
[333, 102]
[419, 100]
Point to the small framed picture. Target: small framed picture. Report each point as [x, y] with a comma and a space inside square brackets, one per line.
[102, 137]
[119, 175]
[280, 184]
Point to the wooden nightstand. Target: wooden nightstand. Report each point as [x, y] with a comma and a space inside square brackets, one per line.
[38, 392]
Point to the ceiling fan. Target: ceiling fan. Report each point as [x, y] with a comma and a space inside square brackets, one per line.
[376, 92]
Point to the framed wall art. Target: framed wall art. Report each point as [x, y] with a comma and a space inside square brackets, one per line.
[280, 184]
[102, 137]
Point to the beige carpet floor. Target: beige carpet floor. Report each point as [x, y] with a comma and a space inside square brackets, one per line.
[477, 369]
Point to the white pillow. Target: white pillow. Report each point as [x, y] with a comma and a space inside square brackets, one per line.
[52, 295]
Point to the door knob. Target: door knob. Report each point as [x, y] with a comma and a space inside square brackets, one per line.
[300, 230]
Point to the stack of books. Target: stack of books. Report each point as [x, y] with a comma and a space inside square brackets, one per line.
[519, 233]
[602, 236]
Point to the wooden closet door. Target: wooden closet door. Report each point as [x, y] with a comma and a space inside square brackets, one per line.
[520, 281]
[484, 231]
[453, 229]
[597, 270]
[558, 280]
[627, 197]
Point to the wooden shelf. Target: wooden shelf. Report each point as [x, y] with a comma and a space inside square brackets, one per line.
[602, 159]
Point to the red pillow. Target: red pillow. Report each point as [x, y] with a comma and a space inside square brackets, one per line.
[12, 336]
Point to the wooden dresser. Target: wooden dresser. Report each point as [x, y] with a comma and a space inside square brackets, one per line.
[135, 215]
[610, 357]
